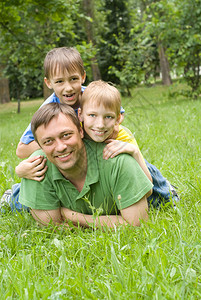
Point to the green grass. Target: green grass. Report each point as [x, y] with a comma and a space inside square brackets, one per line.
[159, 260]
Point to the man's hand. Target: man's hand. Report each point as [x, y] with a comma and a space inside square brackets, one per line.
[32, 168]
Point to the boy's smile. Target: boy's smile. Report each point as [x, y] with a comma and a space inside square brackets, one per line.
[67, 87]
[98, 121]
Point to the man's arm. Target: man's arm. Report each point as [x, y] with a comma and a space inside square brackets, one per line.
[136, 212]
[46, 217]
[85, 220]
[25, 150]
[130, 215]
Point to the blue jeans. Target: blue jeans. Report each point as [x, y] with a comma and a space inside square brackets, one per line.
[161, 191]
[15, 205]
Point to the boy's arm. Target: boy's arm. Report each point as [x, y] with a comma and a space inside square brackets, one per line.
[25, 150]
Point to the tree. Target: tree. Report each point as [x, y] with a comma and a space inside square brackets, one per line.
[116, 32]
[88, 6]
[4, 87]
[186, 47]
[28, 32]
[164, 65]
[157, 17]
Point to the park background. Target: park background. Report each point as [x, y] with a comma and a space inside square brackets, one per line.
[151, 51]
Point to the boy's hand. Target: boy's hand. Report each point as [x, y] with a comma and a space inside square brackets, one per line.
[32, 168]
[115, 147]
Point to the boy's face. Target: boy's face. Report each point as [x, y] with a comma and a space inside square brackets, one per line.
[99, 122]
[67, 87]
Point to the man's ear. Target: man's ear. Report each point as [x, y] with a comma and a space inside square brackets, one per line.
[79, 113]
[81, 132]
[83, 77]
[48, 83]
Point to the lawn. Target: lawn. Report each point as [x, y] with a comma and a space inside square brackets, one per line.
[159, 260]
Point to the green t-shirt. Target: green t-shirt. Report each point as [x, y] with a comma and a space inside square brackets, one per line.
[110, 185]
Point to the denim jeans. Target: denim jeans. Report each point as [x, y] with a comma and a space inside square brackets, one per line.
[161, 189]
[15, 204]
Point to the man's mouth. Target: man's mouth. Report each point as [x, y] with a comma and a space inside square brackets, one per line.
[64, 155]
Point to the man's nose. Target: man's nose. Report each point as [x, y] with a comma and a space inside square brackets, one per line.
[60, 146]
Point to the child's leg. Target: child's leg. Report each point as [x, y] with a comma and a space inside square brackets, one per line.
[163, 192]
[11, 198]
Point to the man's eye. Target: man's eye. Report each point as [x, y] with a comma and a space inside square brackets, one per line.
[92, 115]
[47, 142]
[66, 135]
[109, 117]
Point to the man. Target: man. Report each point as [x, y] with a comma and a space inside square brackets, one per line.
[78, 180]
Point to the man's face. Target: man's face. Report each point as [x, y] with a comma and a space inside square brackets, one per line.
[67, 86]
[99, 122]
[62, 143]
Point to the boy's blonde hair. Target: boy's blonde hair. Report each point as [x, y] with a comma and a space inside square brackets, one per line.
[61, 60]
[104, 93]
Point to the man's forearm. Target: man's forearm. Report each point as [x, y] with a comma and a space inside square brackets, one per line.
[47, 217]
[90, 220]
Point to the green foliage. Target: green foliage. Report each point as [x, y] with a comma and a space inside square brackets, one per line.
[159, 260]
[187, 46]
[34, 28]
[126, 35]
[116, 33]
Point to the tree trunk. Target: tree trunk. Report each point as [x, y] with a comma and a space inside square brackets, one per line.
[164, 65]
[88, 6]
[4, 90]
[4, 87]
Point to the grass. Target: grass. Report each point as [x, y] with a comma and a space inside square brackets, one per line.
[159, 260]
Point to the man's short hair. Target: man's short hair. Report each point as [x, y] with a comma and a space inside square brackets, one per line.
[61, 60]
[104, 93]
[47, 112]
